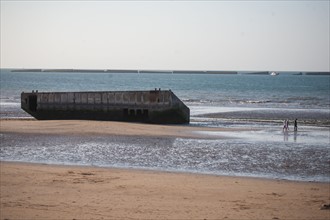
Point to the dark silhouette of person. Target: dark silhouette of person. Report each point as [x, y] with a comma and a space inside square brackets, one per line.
[295, 125]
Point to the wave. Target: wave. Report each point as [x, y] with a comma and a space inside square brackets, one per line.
[229, 100]
[278, 102]
[10, 104]
[304, 98]
[257, 101]
[198, 101]
[319, 117]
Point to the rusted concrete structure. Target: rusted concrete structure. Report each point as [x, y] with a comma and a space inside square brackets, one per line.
[155, 106]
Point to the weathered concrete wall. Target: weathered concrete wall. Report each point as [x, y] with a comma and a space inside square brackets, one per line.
[97, 100]
[122, 105]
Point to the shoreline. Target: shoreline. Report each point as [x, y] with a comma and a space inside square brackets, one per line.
[168, 148]
[159, 170]
[39, 191]
[146, 170]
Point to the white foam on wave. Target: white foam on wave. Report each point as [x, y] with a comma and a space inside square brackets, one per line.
[14, 104]
[200, 110]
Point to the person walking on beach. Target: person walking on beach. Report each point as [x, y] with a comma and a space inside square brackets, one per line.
[295, 125]
[284, 125]
[287, 124]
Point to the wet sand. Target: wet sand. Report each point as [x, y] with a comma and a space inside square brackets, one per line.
[38, 191]
[31, 191]
[81, 127]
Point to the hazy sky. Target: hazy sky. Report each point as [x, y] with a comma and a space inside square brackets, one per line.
[201, 35]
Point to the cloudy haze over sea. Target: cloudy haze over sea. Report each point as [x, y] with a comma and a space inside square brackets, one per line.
[168, 35]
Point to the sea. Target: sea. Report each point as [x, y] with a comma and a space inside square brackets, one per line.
[257, 103]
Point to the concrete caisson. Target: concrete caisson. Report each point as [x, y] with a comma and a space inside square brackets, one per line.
[155, 106]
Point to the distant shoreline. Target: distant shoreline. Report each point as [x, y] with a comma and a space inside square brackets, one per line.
[124, 71]
[164, 71]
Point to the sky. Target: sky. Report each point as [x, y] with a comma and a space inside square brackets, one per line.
[166, 35]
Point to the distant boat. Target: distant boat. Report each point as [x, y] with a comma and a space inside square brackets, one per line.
[274, 73]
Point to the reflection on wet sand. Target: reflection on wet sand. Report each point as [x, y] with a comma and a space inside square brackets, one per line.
[264, 157]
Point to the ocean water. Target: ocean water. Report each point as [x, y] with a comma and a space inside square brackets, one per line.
[202, 93]
[261, 102]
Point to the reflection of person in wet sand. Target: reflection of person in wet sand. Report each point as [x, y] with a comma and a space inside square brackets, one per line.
[286, 136]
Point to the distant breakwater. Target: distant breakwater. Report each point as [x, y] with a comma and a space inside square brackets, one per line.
[164, 71]
[124, 71]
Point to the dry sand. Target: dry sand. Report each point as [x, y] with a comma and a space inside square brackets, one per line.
[30, 191]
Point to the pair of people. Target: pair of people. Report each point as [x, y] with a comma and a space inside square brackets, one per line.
[286, 125]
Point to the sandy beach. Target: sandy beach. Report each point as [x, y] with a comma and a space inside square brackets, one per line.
[31, 191]
[41, 191]
[81, 127]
